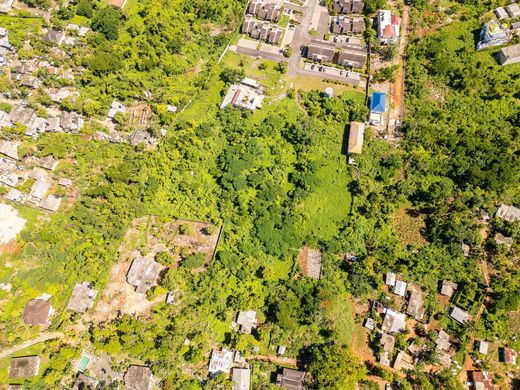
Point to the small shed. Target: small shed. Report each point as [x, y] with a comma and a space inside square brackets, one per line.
[483, 347]
[390, 278]
[448, 288]
[400, 288]
[247, 321]
[459, 315]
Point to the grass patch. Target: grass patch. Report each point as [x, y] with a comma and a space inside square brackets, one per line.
[284, 21]
[20, 28]
[409, 226]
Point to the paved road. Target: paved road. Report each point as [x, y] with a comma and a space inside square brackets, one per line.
[26, 344]
[301, 37]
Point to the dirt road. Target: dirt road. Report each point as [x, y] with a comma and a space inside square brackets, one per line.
[26, 344]
[398, 85]
[274, 359]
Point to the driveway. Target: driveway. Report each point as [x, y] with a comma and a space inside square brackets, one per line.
[40, 339]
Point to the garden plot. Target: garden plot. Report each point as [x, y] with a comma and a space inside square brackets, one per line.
[173, 242]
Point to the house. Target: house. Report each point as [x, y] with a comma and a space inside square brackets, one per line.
[291, 379]
[143, 273]
[509, 55]
[390, 278]
[400, 288]
[377, 108]
[415, 306]
[265, 11]
[384, 359]
[39, 189]
[442, 341]
[347, 25]
[117, 3]
[30, 81]
[48, 162]
[403, 361]
[355, 137]
[139, 378]
[5, 6]
[320, 52]
[352, 57]
[492, 34]
[37, 312]
[348, 6]
[448, 288]
[482, 380]
[247, 321]
[83, 31]
[53, 125]
[9, 149]
[64, 182]
[115, 107]
[513, 10]
[71, 122]
[393, 322]
[507, 355]
[444, 359]
[459, 315]
[241, 378]
[51, 203]
[500, 13]
[310, 261]
[387, 341]
[243, 96]
[508, 213]
[500, 239]
[55, 36]
[483, 347]
[16, 195]
[24, 366]
[220, 362]
[387, 27]
[82, 297]
[515, 26]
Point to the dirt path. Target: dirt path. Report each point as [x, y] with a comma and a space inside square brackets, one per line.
[26, 344]
[274, 359]
[398, 85]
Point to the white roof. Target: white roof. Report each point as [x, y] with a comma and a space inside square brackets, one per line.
[250, 82]
[241, 378]
[459, 315]
[220, 361]
[394, 321]
[390, 278]
[400, 288]
[483, 347]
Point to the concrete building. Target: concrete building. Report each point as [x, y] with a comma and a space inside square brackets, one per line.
[509, 55]
[355, 137]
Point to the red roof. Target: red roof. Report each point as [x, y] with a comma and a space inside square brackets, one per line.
[389, 31]
[395, 20]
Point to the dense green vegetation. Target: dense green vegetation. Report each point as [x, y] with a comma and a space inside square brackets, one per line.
[276, 180]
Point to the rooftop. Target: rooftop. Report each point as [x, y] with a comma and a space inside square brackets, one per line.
[82, 297]
[378, 102]
[355, 138]
[247, 321]
[143, 273]
[24, 366]
[508, 213]
[241, 378]
[139, 378]
[291, 379]
[37, 312]
[220, 362]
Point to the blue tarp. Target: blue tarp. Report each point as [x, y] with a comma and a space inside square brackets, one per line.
[378, 102]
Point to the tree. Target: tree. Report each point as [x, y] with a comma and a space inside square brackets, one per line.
[333, 367]
[107, 22]
[85, 9]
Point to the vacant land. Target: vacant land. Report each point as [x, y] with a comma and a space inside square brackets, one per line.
[409, 225]
[11, 225]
